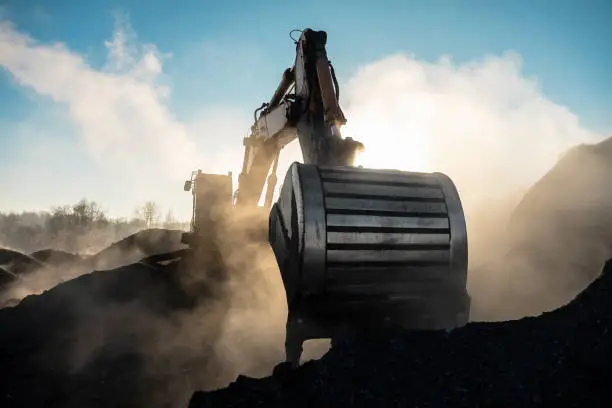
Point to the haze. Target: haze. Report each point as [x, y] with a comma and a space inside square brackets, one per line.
[109, 114]
[119, 105]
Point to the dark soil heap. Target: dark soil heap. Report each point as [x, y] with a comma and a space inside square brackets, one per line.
[130, 250]
[17, 262]
[55, 257]
[559, 359]
[6, 277]
[562, 228]
[40, 339]
[137, 246]
[562, 358]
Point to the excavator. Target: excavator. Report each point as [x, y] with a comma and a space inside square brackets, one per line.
[355, 247]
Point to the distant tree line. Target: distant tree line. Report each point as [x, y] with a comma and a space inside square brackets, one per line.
[82, 227]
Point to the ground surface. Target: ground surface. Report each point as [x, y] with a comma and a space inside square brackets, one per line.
[560, 359]
[103, 340]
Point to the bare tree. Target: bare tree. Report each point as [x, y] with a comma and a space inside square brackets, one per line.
[148, 213]
[170, 221]
[87, 212]
[75, 228]
[83, 215]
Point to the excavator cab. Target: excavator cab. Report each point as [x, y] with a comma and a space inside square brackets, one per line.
[212, 200]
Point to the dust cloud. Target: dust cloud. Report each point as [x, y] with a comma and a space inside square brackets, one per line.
[558, 238]
[177, 328]
[490, 128]
[230, 317]
[545, 250]
[483, 123]
[212, 328]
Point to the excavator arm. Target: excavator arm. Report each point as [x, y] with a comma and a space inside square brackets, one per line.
[354, 246]
[311, 114]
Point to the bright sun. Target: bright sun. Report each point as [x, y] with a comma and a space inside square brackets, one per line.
[409, 151]
[412, 160]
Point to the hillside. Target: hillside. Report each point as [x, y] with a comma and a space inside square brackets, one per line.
[557, 240]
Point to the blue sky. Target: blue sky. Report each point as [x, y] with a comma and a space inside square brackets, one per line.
[229, 55]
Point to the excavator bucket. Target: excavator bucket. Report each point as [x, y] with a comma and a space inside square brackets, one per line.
[359, 247]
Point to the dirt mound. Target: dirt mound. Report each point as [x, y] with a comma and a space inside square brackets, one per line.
[110, 338]
[147, 334]
[137, 246]
[55, 257]
[18, 263]
[558, 238]
[562, 358]
[103, 339]
[571, 204]
[6, 277]
[44, 269]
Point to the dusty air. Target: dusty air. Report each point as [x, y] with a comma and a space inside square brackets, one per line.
[357, 226]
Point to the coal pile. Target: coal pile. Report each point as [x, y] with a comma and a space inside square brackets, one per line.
[41, 270]
[137, 246]
[18, 263]
[558, 237]
[562, 358]
[91, 342]
[6, 277]
[564, 223]
[56, 257]
[148, 333]
[17, 269]
[123, 252]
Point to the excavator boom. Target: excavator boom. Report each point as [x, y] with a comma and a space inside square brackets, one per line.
[311, 114]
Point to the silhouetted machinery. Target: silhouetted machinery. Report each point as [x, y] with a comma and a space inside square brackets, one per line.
[355, 246]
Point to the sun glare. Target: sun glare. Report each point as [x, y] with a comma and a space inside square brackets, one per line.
[413, 160]
[408, 153]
